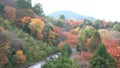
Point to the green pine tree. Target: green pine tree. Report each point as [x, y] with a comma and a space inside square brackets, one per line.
[116, 27]
[24, 4]
[102, 59]
[63, 61]
[95, 40]
[38, 9]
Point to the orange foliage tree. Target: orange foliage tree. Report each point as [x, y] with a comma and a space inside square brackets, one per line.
[1, 28]
[20, 56]
[110, 43]
[71, 39]
[115, 53]
[10, 12]
[25, 19]
[113, 48]
[58, 30]
[60, 34]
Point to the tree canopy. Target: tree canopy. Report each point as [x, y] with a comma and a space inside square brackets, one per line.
[24, 4]
[102, 59]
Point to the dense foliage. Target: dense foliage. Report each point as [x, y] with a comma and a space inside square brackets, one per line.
[28, 36]
[19, 47]
[63, 61]
[116, 27]
[102, 59]
[95, 41]
[24, 4]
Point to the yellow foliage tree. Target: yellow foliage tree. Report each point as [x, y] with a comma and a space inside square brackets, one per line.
[20, 56]
[36, 25]
[52, 36]
[19, 52]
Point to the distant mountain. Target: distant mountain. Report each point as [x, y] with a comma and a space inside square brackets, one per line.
[70, 14]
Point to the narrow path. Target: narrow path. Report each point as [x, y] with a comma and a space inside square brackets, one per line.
[39, 64]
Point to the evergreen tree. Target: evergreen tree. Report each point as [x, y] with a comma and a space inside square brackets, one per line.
[102, 59]
[63, 61]
[95, 40]
[62, 17]
[66, 48]
[59, 23]
[24, 4]
[98, 24]
[116, 27]
[1, 8]
[38, 9]
[86, 33]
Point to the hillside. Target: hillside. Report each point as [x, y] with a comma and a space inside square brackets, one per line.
[27, 36]
[70, 14]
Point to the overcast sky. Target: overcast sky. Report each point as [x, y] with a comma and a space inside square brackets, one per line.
[101, 9]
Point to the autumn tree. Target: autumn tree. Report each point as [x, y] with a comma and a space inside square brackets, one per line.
[102, 59]
[10, 12]
[114, 51]
[24, 22]
[60, 33]
[20, 57]
[36, 26]
[25, 19]
[52, 36]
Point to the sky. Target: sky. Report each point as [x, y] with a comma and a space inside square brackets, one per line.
[101, 9]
